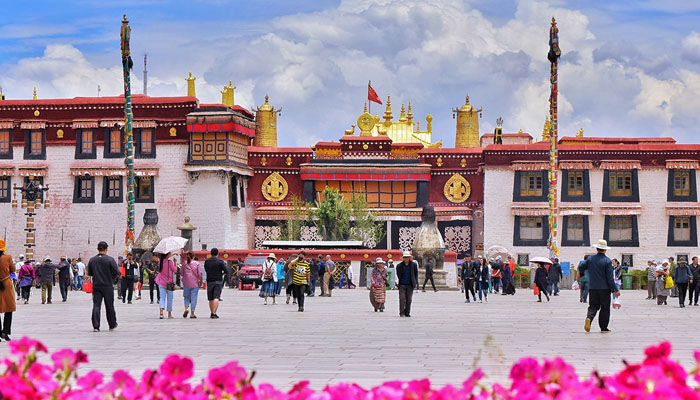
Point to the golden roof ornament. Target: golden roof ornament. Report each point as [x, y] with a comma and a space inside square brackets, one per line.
[580, 133]
[266, 106]
[466, 106]
[402, 117]
[387, 113]
[409, 116]
[365, 122]
[34, 96]
[190, 85]
[429, 119]
[546, 129]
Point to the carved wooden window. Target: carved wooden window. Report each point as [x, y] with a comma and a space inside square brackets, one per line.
[620, 183]
[574, 228]
[681, 183]
[5, 144]
[36, 142]
[378, 194]
[115, 141]
[531, 228]
[146, 141]
[621, 228]
[575, 183]
[681, 229]
[5, 194]
[531, 183]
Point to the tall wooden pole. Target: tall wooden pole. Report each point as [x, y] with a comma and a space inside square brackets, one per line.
[553, 57]
[127, 64]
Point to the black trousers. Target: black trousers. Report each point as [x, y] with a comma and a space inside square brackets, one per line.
[694, 290]
[151, 286]
[25, 292]
[6, 324]
[127, 287]
[682, 290]
[469, 287]
[299, 291]
[291, 290]
[432, 282]
[599, 299]
[63, 285]
[405, 299]
[99, 294]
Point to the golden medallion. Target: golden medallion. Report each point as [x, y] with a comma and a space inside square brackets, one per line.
[173, 131]
[59, 133]
[439, 162]
[274, 187]
[36, 113]
[364, 146]
[457, 189]
[288, 161]
[463, 163]
[365, 122]
[263, 161]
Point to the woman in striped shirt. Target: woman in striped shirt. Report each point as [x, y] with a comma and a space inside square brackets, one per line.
[302, 275]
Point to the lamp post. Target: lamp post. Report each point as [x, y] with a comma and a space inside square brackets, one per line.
[186, 232]
[32, 194]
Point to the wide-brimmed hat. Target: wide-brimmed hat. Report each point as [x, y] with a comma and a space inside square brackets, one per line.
[406, 254]
[63, 257]
[602, 245]
[3, 246]
[683, 262]
[379, 260]
[21, 256]
[272, 256]
[47, 258]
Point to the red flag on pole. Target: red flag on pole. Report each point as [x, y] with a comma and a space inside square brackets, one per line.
[372, 95]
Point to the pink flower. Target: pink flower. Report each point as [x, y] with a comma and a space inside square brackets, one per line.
[177, 369]
[90, 380]
[25, 346]
[663, 350]
[68, 359]
[41, 377]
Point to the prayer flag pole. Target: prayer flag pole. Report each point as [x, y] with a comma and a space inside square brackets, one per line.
[553, 57]
[127, 63]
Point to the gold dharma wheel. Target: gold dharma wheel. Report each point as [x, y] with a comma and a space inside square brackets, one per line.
[274, 187]
[365, 122]
[457, 189]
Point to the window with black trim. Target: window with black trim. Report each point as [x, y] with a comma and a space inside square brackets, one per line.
[34, 145]
[530, 231]
[112, 189]
[85, 144]
[576, 186]
[621, 230]
[144, 189]
[5, 144]
[575, 231]
[682, 231]
[5, 189]
[39, 181]
[530, 186]
[84, 190]
[233, 192]
[114, 139]
[681, 185]
[145, 143]
[621, 186]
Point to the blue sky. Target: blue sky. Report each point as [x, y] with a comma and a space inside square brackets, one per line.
[629, 68]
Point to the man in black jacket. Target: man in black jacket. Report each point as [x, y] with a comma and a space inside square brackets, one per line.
[130, 268]
[600, 279]
[694, 288]
[407, 275]
[467, 277]
[216, 271]
[103, 270]
[64, 278]
[555, 275]
[429, 267]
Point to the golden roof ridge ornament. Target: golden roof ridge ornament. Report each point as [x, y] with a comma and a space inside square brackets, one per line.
[409, 116]
[387, 113]
[34, 95]
[365, 122]
[402, 116]
[190, 85]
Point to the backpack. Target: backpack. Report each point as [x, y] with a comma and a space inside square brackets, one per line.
[268, 272]
[321, 267]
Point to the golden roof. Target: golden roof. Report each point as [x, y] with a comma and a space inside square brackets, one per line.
[266, 106]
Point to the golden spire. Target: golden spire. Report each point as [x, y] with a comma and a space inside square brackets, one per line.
[580, 133]
[387, 113]
[409, 116]
[34, 97]
[546, 129]
[227, 95]
[429, 119]
[402, 117]
[190, 85]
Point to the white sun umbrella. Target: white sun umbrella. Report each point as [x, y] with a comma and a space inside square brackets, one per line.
[170, 244]
[543, 260]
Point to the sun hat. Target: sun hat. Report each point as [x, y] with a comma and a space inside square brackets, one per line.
[406, 254]
[47, 258]
[272, 256]
[379, 260]
[21, 256]
[602, 245]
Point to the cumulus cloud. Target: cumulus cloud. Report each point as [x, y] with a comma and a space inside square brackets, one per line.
[432, 53]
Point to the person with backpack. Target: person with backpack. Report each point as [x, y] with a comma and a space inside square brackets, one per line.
[269, 278]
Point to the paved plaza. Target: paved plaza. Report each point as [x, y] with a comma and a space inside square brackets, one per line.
[342, 339]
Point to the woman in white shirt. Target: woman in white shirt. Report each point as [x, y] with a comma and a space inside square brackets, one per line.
[269, 271]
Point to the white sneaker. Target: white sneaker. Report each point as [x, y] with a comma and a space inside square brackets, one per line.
[480, 301]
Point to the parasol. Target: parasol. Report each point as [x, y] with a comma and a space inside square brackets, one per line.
[543, 260]
[170, 244]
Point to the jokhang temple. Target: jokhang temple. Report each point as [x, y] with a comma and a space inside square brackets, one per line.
[220, 165]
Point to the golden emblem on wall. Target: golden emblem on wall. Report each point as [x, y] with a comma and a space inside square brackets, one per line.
[274, 187]
[263, 161]
[173, 131]
[463, 163]
[36, 113]
[439, 162]
[59, 133]
[457, 189]
[288, 161]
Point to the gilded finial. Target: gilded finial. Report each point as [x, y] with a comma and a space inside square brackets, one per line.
[409, 116]
[520, 130]
[365, 110]
[580, 133]
[34, 96]
[429, 119]
[554, 22]
[402, 117]
[125, 20]
[190, 85]
[546, 129]
[267, 98]
[387, 113]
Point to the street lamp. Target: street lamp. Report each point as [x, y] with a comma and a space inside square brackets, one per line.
[32, 193]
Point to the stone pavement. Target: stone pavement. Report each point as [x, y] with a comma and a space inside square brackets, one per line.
[342, 339]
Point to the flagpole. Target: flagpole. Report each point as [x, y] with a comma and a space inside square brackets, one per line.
[128, 118]
[553, 56]
[369, 106]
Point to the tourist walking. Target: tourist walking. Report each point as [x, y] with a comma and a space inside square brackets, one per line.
[694, 287]
[378, 281]
[662, 274]
[507, 282]
[496, 274]
[64, 278]
[18, 267]
[152, 275]
[7, 292]
[328, 276]
[348, 277]
[45, 278]
[617, 275]
[313, 264]
[289, 279]
[600, 278]
[541, 278]
[120, 263]
[555, 275]
[191, 281]
[483, 279]
[26, 279]
[166, 284]
[321, 265]
[215, 269]
[429, 267]
[269, 270]
[407, 273]
[672, 271]
[583, 281]
[651, 280]
[130, 274]
[467, 276]
[104, 271]
[683, 276]
[280, 277]
[302, 274]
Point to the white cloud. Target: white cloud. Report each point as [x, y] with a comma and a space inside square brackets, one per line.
[691, 47]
